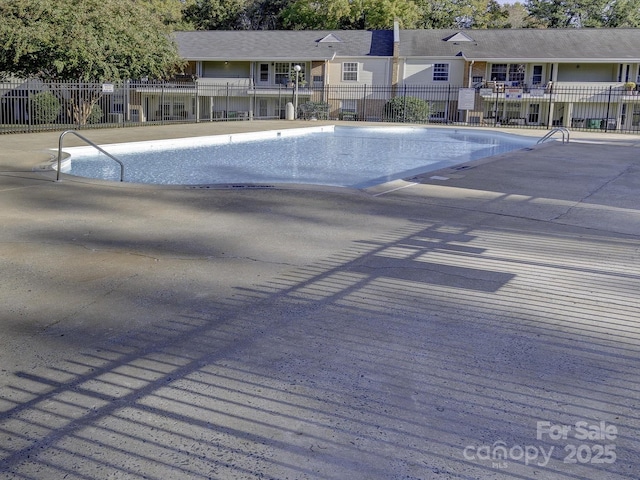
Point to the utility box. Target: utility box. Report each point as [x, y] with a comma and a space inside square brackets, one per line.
[594, 122]
[290, 112]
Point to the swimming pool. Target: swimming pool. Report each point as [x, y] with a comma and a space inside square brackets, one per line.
[355, 157]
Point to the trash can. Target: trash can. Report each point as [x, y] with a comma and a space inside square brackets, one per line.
[290, 114]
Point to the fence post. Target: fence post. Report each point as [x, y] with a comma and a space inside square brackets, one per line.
[364, 102]
[404, 103]
[549, 119]
[226, 113]
[162, 103]
[448, 104]
[197, 101]
[606, 119]
[495, 108]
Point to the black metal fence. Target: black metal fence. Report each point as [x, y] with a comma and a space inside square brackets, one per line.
[33, 105]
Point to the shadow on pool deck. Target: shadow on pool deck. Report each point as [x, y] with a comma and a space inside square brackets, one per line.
[400, 332]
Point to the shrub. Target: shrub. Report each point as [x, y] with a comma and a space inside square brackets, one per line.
[45, 107]
[406, 109]
[317, 110]
[96, 114]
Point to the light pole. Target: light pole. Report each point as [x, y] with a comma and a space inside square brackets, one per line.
[297, 69]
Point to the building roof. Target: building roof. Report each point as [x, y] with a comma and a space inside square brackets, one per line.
[283, 44]
[544, 45]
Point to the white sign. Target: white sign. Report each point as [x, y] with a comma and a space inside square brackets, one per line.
[107, 88]
[466, 98]
[512, 93]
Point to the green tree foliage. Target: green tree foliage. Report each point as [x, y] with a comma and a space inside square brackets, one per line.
[319, 15]
[462, 14]
[583, 13]
[214, 14]
[380, 14]
[623, 13]
[263, 15]
[517, 14]
[350, 14]
[92, 40]
[171, 12]
[437, 14]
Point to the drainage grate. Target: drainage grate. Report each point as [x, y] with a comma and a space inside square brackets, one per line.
[462, 167]
[219, 187]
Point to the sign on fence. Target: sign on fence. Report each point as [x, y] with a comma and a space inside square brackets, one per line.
[466, 98]
[512, 93]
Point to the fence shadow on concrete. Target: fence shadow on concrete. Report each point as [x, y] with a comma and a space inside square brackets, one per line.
[413, 355]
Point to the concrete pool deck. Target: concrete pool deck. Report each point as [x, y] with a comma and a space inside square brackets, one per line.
[448, 326]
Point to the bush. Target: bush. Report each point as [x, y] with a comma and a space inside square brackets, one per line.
[96, 115]
[45, 108]
[406, 109]
[317, 110]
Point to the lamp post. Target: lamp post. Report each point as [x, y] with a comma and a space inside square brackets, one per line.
[297, 69]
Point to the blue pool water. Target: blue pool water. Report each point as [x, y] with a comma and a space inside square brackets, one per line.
[338, 156]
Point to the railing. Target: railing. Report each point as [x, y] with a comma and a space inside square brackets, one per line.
[62, 135]
[564, 131]
[29, 106]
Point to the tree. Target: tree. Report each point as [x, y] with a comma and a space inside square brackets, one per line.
[437, 14]
[171, 12]
[583, 13]
[262, 14]
[214, 14]
[380, 14]
[517, 14]
[350, 14]
[318, 15]
[463, 14]
[92, 40]
[481, 14]
[623, 13]
[88, 41]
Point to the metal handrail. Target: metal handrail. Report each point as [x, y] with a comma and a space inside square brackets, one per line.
[562, 130]
[90, 143]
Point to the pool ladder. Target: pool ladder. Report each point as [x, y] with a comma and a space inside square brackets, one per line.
[563, 130]
[90, 143]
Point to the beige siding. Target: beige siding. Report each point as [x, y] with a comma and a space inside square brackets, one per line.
[374, 71]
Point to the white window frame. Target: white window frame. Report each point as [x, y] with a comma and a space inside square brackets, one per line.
[350, 71]
[440, 72]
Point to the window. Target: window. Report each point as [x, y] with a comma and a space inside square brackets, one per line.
[284, 72]
[516, 72]
[441, 72]
[264, 72]
[350, 72]
[499, 72]
[536, 78]
[263, 107]
[635, 116]
[281, 71]
[503, 72]
[534, 113]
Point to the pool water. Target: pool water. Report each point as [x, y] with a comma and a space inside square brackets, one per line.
[339, 156]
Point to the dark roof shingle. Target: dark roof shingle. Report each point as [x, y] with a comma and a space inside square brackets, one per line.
[282, 44]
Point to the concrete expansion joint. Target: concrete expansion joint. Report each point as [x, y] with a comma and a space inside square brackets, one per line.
[599, 188]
